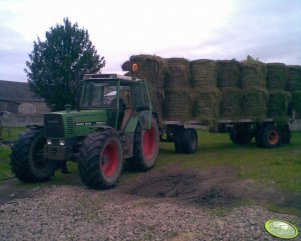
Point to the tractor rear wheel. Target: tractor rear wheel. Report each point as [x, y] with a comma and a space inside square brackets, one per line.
[146, 147]
[101, 160]
[27, 158]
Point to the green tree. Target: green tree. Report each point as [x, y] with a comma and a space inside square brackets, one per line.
[55, 63]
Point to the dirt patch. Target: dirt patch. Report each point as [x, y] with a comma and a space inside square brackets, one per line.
[216, 187]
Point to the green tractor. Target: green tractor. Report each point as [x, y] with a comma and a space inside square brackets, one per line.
[114, 122]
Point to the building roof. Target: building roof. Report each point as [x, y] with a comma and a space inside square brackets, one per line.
[17, 92]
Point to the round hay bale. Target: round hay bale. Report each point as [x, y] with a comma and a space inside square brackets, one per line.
[253, 74]
[151, 68]
[178, 104]
[126, 66]
[179, 73]
[296, 103]
[277, 76]
[254, 103]
[278, 105]
[228, 73]
[231, 103]
[294, 78]
[203, 73]
[206, 106]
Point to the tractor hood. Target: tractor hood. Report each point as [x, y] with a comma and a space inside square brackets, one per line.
[69, 124]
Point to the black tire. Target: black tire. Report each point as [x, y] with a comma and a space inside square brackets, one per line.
[27, 158]
[146, 147]
[243, 138]
[190, 141]
[186, 141]
[270, 137]
[101, 160]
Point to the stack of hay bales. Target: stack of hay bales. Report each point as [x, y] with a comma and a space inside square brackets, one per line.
[207, 96]
[277, 76]
[207, 90]
[178, 99]
[154, 70]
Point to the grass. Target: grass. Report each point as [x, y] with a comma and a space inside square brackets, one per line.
[280, 166]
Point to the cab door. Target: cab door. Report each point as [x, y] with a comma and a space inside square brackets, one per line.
[142, 104]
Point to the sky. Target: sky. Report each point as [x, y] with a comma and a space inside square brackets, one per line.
[269, 30]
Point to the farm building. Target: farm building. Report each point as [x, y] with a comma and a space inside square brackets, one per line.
[16, 97]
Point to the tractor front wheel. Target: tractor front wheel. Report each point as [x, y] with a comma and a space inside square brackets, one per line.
[27, 158]
[101, 160]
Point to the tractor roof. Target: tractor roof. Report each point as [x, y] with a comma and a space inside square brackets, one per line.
[122, 78]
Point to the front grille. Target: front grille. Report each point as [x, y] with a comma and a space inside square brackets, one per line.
[54, 126]
[70, 125]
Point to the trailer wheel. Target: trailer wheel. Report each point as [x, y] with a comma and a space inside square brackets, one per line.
[146, 147]
[101, 160]
[270, 137]
[240, 137]
[190, 139]
[186, 141]
[27, 158]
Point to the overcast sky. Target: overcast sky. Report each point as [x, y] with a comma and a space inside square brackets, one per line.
[194, 29]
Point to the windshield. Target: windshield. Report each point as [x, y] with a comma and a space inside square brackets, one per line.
[99, 94]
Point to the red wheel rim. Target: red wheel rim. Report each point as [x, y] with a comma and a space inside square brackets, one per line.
[273, 137]
[109, 161]
[149, 142]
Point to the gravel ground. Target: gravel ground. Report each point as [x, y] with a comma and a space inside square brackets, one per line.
[78, 213]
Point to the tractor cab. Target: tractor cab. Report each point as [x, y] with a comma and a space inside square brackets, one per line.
[119, 96]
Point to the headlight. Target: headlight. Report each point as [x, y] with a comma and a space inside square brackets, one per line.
[49, 142]
[62, 142]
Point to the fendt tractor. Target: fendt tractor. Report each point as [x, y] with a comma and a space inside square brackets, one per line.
[115, 122]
